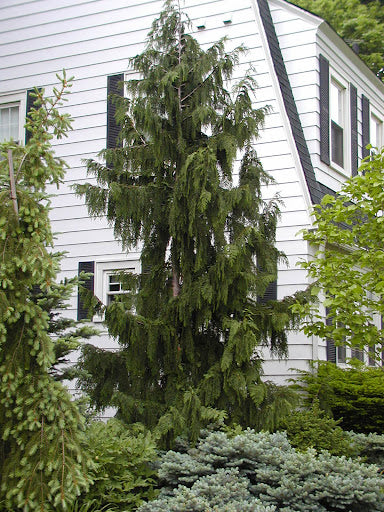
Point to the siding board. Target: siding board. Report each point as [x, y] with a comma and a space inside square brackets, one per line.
[94, 39]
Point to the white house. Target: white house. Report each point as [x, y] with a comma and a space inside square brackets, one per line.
[326, 105]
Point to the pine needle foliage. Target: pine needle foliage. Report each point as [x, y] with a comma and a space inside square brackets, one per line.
[189, 348]
[41, 460]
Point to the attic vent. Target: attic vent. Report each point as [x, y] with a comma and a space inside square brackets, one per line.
[227, 18]
[201, 24]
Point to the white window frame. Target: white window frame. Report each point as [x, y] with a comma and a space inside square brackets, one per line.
[343, 120]
[376, 121]
[103, 269]
[13, 100]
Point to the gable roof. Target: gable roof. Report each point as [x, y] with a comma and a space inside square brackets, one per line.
[314, 187]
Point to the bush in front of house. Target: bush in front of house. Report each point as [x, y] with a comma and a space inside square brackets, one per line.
[262, 472]
[353, 395]
[123, 473]
[313, 428]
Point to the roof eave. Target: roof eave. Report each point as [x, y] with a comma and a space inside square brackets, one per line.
[326, 30]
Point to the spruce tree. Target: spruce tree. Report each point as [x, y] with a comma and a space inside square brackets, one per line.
[66, 333]
[191, 326]
[41, 460]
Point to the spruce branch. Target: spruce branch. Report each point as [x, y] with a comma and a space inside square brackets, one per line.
[12, 185]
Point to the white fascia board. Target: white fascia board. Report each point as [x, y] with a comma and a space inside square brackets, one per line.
[313, 19]
[338, 46]
[280, 101]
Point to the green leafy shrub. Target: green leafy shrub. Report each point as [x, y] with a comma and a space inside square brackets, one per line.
[123, 475]
[354, 395]
[312, 428]
[263, 472]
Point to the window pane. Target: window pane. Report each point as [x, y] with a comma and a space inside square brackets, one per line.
[14, 123]
[341, 354]
[4, 124]
[371, 356]
[114, 283]
[336, 101]
[358, 354]
[110, 299]
[375, 132]
[9, 123]
[337, 144]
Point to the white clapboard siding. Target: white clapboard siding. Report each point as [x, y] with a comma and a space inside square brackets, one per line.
[344, 62]
[94, 39]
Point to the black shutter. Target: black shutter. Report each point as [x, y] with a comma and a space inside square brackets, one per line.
[354, 140]
[88, 267]
[365, 125]
[270, 293]
[114, 87]
[331, 349]
[324, 110]
[30, 103]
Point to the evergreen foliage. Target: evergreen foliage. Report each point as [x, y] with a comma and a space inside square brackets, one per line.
[123, 475]
[348, 267]
[370, 447]
[354, 395]
[356, 22]
[65, 333]
[90, 506]
[189, 347]
[224, 491]
[233, 474]
[41, 461]
[312, 428]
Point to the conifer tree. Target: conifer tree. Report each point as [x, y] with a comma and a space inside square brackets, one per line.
[191, 327]
[41, 460]
[66, 333]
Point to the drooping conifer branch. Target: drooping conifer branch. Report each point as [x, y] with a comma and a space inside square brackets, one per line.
[190, 348]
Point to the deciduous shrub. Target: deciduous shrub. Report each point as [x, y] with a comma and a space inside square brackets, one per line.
[123, 475]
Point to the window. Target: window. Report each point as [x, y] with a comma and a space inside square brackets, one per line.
[9, 123]
[113, 287]
[341, 354]
[371, 356]
[357, 353]
[107, 283]
[338, 121]
[376, 131]
[337, 115]
[12, 117]
[336, 354]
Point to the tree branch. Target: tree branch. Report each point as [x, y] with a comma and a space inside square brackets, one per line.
[12, 184]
